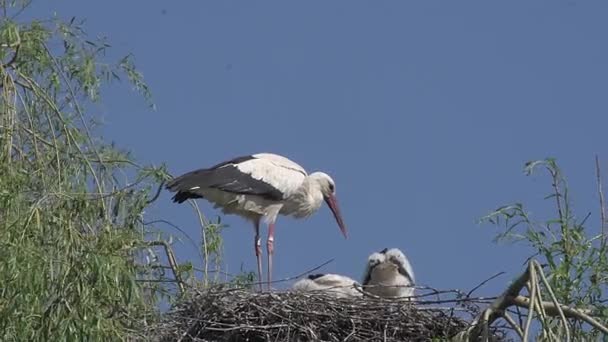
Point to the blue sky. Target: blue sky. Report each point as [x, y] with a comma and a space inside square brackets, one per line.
[423, 112]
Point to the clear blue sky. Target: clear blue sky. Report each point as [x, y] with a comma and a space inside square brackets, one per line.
[423, 112]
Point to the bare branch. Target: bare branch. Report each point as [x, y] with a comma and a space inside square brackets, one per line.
[172, 261]
[513, 324]
[495, 310]
[484, 282]
[539, 269]
[598, 175]
[569, 312]
[511, 297]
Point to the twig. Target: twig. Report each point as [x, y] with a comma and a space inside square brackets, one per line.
[203, 222]
[174, 226]
[160, 188]
[555, 177]
[41, 92]
[25, 4]
[82, 120]
[297, 276]
[309, 271]
[598, 175]
[484, 282]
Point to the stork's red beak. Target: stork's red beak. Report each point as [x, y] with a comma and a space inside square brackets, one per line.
[332, 202]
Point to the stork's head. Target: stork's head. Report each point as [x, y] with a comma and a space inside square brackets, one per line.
[328, 188]
[325, 183]
[375, 259]
[396, 257]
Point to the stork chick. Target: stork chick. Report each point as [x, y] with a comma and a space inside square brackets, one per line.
[335, 284]
[389, 274]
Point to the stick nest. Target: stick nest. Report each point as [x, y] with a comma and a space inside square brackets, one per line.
[225, 314]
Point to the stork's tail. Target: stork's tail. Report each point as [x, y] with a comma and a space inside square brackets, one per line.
[182, 186]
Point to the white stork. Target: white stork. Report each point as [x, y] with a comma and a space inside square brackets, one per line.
[389, 274]
[260, 186]
[334, 284]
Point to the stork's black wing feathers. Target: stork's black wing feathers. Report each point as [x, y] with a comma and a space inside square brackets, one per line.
[229, 178]
[368, 277]
[406, 274]
[224, 176]
[182, 196]
[403, 271]
[316, 276]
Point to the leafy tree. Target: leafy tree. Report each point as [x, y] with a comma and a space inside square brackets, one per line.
[79, 262]
[73, 246]
[569, 264]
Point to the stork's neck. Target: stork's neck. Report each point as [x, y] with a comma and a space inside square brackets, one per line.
[306, 200]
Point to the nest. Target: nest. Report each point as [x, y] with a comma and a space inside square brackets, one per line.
[225, 314]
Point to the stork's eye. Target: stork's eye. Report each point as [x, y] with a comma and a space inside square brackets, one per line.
[331, 187]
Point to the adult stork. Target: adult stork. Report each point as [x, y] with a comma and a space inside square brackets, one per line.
[334, 284]
[260, 186]
[389, 274]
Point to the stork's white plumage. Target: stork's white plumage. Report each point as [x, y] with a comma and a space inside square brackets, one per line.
[260, 186]
[389, 274]
[334, 284]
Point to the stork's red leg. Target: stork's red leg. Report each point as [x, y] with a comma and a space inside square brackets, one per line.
[258, 251]
[270, 248]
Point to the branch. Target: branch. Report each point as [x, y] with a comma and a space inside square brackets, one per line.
[495, 310]
[172, 261]
[160, 188]
[553, 310]
[513, 324]
[553, 298]
[511, 297]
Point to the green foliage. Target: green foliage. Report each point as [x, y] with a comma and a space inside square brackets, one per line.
[213, 244]
[245, 279]
[71, 233]
[574, 257]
